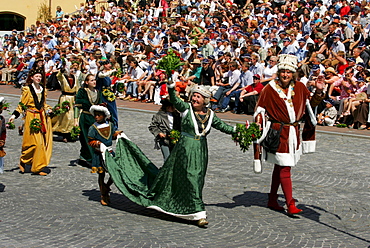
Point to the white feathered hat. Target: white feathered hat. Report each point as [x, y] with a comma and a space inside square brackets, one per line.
[100, 108]
[288, 62]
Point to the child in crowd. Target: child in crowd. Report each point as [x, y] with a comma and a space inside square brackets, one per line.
[328, 115]
[166, 119]
[2, 135]
[102, 131]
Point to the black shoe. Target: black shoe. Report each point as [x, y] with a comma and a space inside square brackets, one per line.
[52, 89]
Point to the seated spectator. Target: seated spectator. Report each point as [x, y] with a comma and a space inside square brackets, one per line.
[347, 85]
[328, 116]
[232, 82]
[361, 113]
[269, 73]
[136, 75]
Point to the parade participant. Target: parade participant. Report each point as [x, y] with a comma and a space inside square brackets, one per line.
[101, 132]
[285, 102]
[165, 120]
[103, 84]
[176, 188]
[65, 121]
[2, 135]
[37, 143]
[86, 97]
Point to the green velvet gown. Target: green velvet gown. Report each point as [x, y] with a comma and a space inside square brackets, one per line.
[176, 188]
[84, 101]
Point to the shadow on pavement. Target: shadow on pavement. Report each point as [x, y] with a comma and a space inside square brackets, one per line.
[120, 202]
[254, 198]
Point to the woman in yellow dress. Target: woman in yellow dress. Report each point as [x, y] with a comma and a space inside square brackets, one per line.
[37, 143]
[64, 123]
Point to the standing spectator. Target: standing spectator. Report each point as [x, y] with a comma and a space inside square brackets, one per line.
[59, 13]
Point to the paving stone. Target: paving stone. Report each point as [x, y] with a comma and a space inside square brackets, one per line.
[63, 209]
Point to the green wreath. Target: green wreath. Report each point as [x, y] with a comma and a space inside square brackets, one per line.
[109, 95]
[75, 132]
[35, 125]
[174, 136]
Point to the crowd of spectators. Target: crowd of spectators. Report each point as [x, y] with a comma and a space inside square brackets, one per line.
[231, 47]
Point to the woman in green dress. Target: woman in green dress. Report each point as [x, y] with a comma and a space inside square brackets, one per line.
[86, 97]
[176, 188]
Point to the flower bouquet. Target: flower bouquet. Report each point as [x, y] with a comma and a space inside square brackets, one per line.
[35, 125]
[174, 136]
[6, 106]
[75, 132]
[170, 62]
[10, 125]
[246, 134]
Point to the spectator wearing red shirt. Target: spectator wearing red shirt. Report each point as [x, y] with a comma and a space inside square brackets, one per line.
[249, 96]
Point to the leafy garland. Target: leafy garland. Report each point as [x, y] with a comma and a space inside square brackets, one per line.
[10, 125]
[109, 95]
[35, 125]
[174, 136]
[246, 134]
[170, 62]
[75, 132]
[341, 125]
[66, 106]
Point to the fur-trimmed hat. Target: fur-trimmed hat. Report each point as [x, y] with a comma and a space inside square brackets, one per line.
[100, 108]
[288, 62]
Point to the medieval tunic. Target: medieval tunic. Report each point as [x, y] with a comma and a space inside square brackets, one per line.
[102, 132]
[37, 146]
[84, 100]
[289, 109]
[65, 122]
[176, 188]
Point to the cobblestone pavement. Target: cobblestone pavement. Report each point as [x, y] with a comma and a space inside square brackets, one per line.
[63, 209]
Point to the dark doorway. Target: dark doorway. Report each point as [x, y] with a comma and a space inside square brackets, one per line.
[10, 21]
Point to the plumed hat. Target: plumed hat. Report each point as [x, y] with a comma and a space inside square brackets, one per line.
[288, 62]
[100, 108]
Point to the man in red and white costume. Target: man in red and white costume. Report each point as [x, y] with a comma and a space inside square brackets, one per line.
[286, 102]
